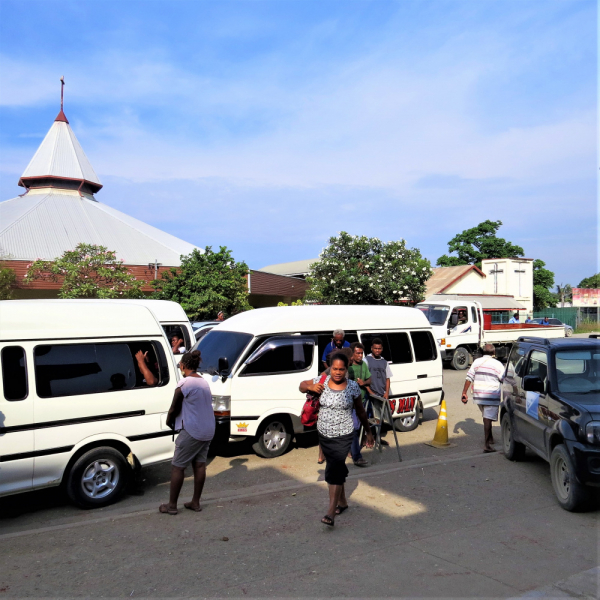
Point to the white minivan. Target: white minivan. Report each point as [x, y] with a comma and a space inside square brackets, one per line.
[75, 407]
[255, 361]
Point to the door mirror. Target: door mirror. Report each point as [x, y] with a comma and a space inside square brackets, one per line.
[532, 383]
[223, 364]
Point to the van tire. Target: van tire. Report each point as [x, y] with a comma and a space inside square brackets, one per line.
[409, 423]
[98, 477]
[460, 359]
[273, 437]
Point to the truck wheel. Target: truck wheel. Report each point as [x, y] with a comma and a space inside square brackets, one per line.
[571, 495]
[408, 423]
[98, 477]
[460, 359]
[273, 438]
[512, 450]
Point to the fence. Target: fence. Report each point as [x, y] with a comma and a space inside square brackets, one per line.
[571, 316]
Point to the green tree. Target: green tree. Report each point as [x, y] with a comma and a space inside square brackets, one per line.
[362, 270]
[543, 282]
[592, 282]
[206, 283]
[88, 271]
[564, 293]
[477, 243]
[8, 278]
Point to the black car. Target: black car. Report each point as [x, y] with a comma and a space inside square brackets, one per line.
[551, 405]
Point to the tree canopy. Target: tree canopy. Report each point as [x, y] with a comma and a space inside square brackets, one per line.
[360, 270]
[592, 282]
[88, 271]
[475, 244]
[543, 282]
[206, 283]
[8, 278]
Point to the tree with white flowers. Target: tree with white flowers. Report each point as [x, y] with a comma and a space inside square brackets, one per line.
[360, 270]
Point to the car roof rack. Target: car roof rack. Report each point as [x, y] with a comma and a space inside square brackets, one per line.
[537, 340]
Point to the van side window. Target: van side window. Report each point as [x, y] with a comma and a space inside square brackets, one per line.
[396, 347]
[76, 369]
[367, 340]
[424, 345]
[14, 373]
[181, 333]
[289, 358]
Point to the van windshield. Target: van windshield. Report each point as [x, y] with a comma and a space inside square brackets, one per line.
[216, 344]
[436, 313]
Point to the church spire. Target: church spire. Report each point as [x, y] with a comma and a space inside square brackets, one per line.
[61, 115]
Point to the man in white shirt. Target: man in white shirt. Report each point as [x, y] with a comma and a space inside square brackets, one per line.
[486, 375]
[515, 318]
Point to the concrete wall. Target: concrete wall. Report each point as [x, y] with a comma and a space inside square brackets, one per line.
[472, 283]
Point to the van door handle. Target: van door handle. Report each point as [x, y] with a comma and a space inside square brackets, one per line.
[421, 376]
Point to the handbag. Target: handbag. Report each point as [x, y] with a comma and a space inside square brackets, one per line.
[310, 410]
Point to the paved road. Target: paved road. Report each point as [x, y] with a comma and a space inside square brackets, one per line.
[443, 523]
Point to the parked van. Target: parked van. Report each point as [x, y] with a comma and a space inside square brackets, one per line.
[76, 409]
[255, 361]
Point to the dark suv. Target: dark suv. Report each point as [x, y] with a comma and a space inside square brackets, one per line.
[551, 405]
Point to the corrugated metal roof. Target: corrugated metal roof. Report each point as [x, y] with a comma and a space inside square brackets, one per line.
[46, 222]
[61, 155]
[444, 277]
[298, 267]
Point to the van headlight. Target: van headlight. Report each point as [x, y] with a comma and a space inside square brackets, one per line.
[592, 432]
[221, 406]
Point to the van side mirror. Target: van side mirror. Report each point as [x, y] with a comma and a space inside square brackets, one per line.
[223, 364]
[532, 383]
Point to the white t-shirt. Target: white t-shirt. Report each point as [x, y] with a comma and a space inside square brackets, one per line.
[486, 373]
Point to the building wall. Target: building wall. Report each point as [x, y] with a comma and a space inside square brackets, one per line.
[472, 283]
[511, 276]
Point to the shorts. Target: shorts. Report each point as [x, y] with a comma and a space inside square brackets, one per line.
[189, 450]
[489, 411]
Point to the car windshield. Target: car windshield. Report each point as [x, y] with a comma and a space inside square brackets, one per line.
[436, 313]
[577, 372]
[216, 344]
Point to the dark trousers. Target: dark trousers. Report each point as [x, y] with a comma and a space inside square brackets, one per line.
[355, 448]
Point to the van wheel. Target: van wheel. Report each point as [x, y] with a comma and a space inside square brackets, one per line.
[512, 450]
[460, 359]
[98, 477]
[273, 438]
[571, 495]
[408, 423]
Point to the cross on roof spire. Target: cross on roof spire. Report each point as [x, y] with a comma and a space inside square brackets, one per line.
[61, 115]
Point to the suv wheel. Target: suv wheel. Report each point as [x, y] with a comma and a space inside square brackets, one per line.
[98, 477]
[571, 494]
[512, 450]
[460, 359]
[274, 437]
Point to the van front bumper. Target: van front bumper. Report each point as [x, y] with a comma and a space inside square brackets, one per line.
[222, 428]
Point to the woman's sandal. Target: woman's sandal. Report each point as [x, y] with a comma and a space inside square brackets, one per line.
[165, 510]
[340, 509]
[327, 520]
[320, 462]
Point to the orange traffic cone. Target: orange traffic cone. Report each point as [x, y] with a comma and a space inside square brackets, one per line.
[440, 439]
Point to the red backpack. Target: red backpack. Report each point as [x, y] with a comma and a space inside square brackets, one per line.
[310, 410]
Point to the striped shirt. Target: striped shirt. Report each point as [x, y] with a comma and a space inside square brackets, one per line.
[486, 374]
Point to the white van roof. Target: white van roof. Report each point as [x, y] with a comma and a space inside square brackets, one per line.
[70, 319]
[286, 319]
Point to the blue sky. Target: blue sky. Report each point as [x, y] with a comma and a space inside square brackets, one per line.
[269, 126]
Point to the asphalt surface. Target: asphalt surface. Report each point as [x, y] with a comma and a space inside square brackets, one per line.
[442, 523]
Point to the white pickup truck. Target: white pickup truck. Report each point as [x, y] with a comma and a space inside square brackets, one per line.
[457, 326]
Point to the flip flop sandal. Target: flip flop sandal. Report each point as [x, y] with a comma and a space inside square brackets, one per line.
[340, 509]
[189, 506]
[165, 510]
[320, 462]
[327, 520]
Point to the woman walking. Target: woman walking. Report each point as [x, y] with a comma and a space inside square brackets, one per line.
[339, 397]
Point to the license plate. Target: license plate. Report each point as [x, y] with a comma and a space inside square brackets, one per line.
[404, 405]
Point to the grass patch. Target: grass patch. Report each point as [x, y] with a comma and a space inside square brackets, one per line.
[588, 327]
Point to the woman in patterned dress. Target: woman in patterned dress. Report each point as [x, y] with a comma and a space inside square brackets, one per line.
[339, 397]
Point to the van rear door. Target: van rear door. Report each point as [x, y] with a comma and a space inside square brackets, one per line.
[268, 381]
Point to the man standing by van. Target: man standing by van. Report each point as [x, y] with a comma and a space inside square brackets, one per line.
[380, 371]
[359, 371]
[191, 414]
[337, 343]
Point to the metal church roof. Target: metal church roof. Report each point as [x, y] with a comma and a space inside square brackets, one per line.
[59, 211]
[60, 156]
